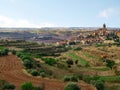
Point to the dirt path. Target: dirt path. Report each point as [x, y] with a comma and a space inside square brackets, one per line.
[11, 70]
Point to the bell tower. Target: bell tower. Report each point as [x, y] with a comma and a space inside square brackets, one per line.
[104, 26]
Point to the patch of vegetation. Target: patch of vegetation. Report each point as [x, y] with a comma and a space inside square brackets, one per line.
[4, 51]
[110, 63]
[101, 69]
[99, 84]
[29, 86]
[93, 57]
[76, 57]
[110, 78]
[50, 61]
[72, 86]
[4, 85]
[9, 87]
[70, 78]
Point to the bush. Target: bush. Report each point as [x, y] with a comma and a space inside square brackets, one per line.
[18, 54]
[110, 63]
[42, 74]
[5, 51]
[70, 78]
[28, 64]
[13, 52]
[73, 79]
[8, 87]
[34, 72]
[78, 48]
[72, 86]
[38, 88]
[99, 84]
[66, 78]
[69, 62]
[80, 77]
[50, 61]
[27, 86]
[23, 57]
[88, 79]
[76, 61]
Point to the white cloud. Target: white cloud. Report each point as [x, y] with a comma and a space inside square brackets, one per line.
[11, 22]
[107, 13]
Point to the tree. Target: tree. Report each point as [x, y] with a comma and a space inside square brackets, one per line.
[13, 52]
[5, 51]
[50, 61]
[76, 61]
[69, 62]
[99, 84]
[110, 63]
[34, 72]
[72, 86]
[74, 79]
[8, 87]
[66, 78]
[27, 63]
[27, 86]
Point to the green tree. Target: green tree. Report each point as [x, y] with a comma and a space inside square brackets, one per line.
[69, 62]
[66, 78]
[26, 86]
[72, 86]
[8, 86]
[27, 63]
[73, 79]
[99, 84]
[13, 52]
[34, 72]
[110, 63]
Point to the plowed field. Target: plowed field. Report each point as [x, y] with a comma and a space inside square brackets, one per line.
[11, 70]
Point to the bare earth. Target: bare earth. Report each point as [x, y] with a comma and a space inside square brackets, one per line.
[11, 70]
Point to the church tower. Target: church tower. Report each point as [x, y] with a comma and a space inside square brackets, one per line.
[104, 26]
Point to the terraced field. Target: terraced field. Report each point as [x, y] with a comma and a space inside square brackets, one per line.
[11, 70]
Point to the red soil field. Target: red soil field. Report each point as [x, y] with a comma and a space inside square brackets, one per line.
[11, 70]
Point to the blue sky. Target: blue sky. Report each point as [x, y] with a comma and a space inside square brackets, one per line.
[59, 13]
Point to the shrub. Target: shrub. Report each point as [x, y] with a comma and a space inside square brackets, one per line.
[99, 84]
[73, 79]
[50, 61]
[69, 62]
[80, 76]
[5, 51]
[13, 52]
[18, 54]
[28, 64]
[66, 78]
[23, 57]
[110, 63]
[72, 86]
[42, 74]
[88, 79]
[38, 88]
[8, 87]
[76, 61]
[27, 86]
[34, 72]
[78, 48]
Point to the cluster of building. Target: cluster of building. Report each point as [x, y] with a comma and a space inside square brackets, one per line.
[92, 37]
